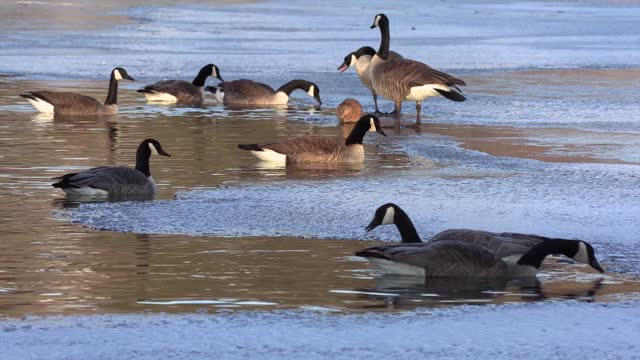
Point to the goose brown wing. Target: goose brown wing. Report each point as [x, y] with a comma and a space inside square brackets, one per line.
[321, 145]
[67, 100]
[502, 244]
[246, 91]
[399, 76]
[443, 259]
[177, 88]
[104, 178]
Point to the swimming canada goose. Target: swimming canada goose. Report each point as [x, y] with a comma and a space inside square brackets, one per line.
[522, 254]
[70, 103]
[408, 80]
[361, 59]
[349, 111]
[318, 149]
[249, 92]
[180, 91]
[110, 181]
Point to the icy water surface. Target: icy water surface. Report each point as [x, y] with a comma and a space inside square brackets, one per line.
[546, 144]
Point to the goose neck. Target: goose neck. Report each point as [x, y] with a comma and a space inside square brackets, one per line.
[112, 96]
[406, 228]
[142, 159]
[385, 37]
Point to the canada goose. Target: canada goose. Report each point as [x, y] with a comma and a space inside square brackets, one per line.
[318, 149]
[249, 92]
[407, 80]
[349, 111]
[70, 103]
[180, 91]
[361, 59]
[521, 253]
[106, 181]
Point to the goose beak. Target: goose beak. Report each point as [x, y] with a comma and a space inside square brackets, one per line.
[343, 67]
[594, 264]
[373, 26]
[163, 153]
[129, 77]
[372, 225]
[379, 131]
[219, 78]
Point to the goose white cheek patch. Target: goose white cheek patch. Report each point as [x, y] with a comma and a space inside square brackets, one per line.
[582, 255]
[377, 20]
[117, 75]
[153, 149]
[388, 216]
[311, 89]
[372, 127]
[354, 60]
[214, 73]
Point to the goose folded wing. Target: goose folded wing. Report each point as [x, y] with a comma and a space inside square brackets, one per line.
[173, 87]
[107, 177]
[501, 244]
[304, 144]
[66, 99]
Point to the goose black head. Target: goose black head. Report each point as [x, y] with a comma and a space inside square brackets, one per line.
[213, 71]
[379, 19]
[154, 147]
[385, 215]
[120, 73]
[584, 253]
[373, 122]
[352, 57]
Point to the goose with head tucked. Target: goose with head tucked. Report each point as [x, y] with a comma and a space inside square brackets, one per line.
[361, 59]
[115, 181]
[498, 254]
[70, 103]
[180, 91]
[318, 149]
[249, 92]
[408, 80]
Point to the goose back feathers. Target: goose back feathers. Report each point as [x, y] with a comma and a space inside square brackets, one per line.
[180, 91]
[72, 103]
[318, 149]
[249, 92]
[112, 181]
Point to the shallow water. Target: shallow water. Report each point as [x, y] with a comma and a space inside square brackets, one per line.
[557, 155]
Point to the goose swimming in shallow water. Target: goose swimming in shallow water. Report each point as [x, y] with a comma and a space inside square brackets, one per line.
[489, 254]
[180, 91]
[361, 59]
[249, 92]
[318, 149]
[109, 181]
[71, 103]
[408, 80]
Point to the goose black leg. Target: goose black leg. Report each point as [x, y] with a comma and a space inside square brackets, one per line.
[418, 109]
[375, 101]
[398, 112]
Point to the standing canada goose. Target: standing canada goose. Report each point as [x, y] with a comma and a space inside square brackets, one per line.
[408, 80]
[249, 92]
[318, 149]
[70, 103]
[349, 111]
[361, 59]
[180, 91]
[111, 181]
[521, 253]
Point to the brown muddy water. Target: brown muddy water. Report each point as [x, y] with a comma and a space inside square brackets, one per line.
[49, 266]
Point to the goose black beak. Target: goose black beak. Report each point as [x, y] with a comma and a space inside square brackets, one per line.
[379, 131]
[343, 67]
[372, 225]
[594, 264]
[129, 78]
[164, 153]
[219, 78]
[373, 26]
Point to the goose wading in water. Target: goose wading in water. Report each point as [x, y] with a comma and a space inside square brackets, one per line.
[361, 59]
[180, 91]
[249, 92]
[318, 149]
[70, 103]
[115, 181]
[467, 253]
[408, 80]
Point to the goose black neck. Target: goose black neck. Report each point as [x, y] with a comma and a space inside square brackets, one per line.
[142, 159]
[112, 96]
[538, 253]
[292, 85]
[201, 78]
[365, 50]
[405, 227]
[358, 132]
[383, 51]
